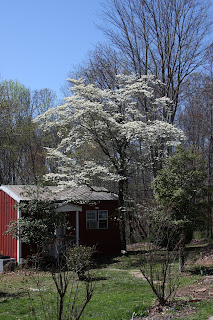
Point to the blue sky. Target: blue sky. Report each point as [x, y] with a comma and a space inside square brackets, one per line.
[41, 40]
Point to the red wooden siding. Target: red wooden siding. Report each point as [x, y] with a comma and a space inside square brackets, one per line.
[8, 245]
[107, 241]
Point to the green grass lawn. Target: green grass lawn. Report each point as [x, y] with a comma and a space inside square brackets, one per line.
[116, 296]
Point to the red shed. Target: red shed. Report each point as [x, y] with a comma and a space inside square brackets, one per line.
[91, 213]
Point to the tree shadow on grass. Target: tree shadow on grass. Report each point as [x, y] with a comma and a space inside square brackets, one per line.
[201, 270]
[127, 260]
[103, 262]
[92, 279]
[10, 295]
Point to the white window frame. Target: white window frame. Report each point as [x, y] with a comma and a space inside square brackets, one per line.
[94, 222]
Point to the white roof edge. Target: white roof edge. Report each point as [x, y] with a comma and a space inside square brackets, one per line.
[10, 193]
[66, 207]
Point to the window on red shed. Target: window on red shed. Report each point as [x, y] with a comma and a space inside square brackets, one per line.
[97, 219]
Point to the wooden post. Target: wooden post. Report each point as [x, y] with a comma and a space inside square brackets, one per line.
[77, 228]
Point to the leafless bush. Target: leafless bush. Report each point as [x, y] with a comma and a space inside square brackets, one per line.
[157, 262]
[157, 268]
[79, 260]
[64, 297]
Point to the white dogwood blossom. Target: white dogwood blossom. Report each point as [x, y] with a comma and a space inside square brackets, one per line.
[112, 123]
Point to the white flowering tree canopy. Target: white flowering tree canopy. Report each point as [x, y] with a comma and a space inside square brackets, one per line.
[113, 123]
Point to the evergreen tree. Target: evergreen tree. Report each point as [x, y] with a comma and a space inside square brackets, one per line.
[181, 187]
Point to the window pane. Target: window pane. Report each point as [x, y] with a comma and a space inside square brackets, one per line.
[102, 224]
[102, 214]
[91, 215]
[92, 225]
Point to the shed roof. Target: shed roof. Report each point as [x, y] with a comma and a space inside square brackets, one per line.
[24, 192]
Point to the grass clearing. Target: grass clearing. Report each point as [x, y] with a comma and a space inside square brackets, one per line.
[118, 296]
[118, 293]
[204, 310]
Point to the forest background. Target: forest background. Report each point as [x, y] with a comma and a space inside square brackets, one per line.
[165, 39]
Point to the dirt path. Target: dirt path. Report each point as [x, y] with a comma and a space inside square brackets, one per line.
[196, 293]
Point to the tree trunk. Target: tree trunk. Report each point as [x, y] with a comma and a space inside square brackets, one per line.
[181, 252]
[181, 259]
[122, 214]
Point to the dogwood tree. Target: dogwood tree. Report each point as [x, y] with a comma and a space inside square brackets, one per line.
[114, 127]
